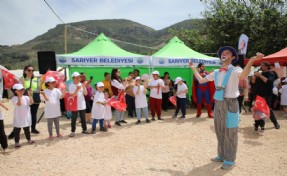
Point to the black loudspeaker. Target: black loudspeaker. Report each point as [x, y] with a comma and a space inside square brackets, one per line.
[240, 61]
[46, 61]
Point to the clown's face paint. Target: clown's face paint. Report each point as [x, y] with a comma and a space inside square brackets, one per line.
[226, 56]
[223, 58]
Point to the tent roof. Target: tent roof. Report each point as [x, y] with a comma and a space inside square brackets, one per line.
[280, 56]
[102, 46]
[176, 48]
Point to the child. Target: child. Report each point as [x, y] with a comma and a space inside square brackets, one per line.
[140, 100]
[78, 89]
[52, 109]
[259, 118]
[3, 137]
[108, 110]
[98, 110]
[180, 97]
[22, 115]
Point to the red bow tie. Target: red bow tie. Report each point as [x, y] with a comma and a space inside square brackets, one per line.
[223, 69]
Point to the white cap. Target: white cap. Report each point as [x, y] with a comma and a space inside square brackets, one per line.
[18, 86]
[177, 80]
[285, 80]
[75, 74]
[100, 84]
[50, 79]
[138, 78]
[155, 72]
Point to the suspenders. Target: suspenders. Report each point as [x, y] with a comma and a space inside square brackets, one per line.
[219, 93]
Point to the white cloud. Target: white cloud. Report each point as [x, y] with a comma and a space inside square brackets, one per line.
[23, 20]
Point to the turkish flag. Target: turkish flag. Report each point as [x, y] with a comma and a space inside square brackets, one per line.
[9, 79]
[62, 86]
[121, 97]
[58, 76]
[71, 103]
[172, 99]
[261, 105]
[118, 105]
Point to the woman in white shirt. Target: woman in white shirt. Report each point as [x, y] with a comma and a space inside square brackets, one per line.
[117, 86]
[140, 100]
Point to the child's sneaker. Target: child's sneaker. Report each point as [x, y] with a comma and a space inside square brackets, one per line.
[72, 134]
[31, 142]
[59, 135]
[256, 132]
[103, 129]
[138, 122]
[109, 125]
[85, 132]
[17, 145]
[51, 137]
[261, 131]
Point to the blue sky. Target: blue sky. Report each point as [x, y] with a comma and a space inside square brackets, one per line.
[23, 20]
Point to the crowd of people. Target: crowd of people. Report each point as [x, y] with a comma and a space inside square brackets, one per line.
[221, 91]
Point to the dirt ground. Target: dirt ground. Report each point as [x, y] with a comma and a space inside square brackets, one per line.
[171, 147]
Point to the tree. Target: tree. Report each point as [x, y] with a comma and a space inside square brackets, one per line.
[196, 39]
[264, 21]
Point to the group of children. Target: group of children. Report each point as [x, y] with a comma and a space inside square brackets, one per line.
[101, 109]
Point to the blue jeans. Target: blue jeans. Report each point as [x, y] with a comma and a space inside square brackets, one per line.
[95, 121]
[145, 112]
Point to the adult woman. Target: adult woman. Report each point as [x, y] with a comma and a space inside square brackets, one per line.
[117, 87]
[166, 91]
[88, 97]
[30, 81]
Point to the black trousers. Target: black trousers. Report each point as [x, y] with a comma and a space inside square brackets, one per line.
[240, 101]
[272, 116]
[74, 120]
[180, 104]
[34, 109]
[131, 105]
[17, 133]
[165, 101]
[62, 105]
[259, 123]
[3, 137]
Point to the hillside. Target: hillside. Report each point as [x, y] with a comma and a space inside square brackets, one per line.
[119, 29]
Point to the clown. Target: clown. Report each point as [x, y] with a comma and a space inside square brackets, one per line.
[226, 109]
[203, 93]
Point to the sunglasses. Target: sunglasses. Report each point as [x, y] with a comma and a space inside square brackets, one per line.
[30, 70]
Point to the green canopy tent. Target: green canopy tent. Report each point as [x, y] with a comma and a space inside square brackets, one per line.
[174, 58]
[100, 56]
